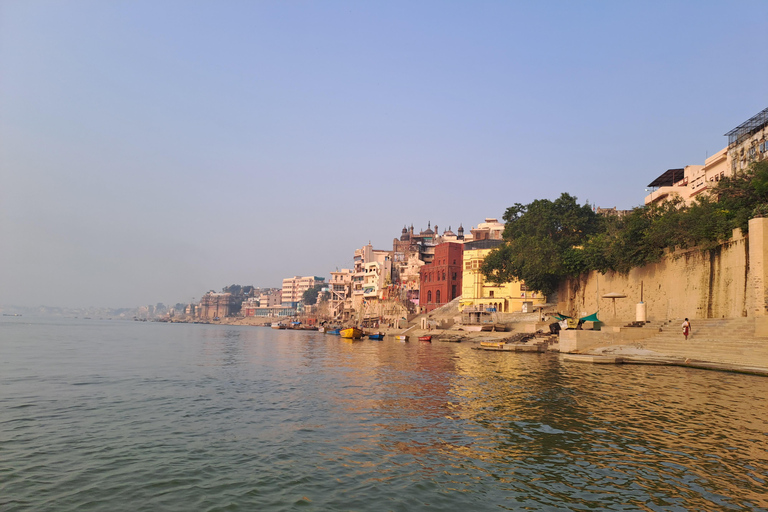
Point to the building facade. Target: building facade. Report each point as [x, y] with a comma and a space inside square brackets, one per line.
[477, 292]
[441, 281]
[340, 290]
[294, 288]
[215, 305]
[747, 143]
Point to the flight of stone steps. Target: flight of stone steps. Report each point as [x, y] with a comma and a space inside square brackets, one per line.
[729, 340]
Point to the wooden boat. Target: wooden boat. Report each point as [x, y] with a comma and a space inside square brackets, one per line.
[278, 326]
[351, 333]
[334, 332]
[321, 329]
[376, 336]
[425, 338]
[401, 337]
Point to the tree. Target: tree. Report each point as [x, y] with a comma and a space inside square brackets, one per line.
[309, 297]
[543, 243]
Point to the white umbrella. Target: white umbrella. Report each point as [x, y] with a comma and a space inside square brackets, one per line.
[614, 296]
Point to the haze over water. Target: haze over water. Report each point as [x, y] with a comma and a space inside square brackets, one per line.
[98, 415]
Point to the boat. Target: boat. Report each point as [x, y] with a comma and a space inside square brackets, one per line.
[425, 338]
[376, 336]
[351, 333]
[278, 325]
[401, 337]
[334, 332]
[321, 329]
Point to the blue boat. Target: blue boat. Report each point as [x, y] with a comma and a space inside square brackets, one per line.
[376, 336]
[335, 332]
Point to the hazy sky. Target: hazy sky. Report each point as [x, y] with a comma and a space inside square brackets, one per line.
[153, 150]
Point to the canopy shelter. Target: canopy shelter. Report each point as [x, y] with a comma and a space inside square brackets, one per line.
[668, 178]
[590, 318]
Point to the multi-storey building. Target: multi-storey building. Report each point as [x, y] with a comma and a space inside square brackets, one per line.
[491, 229]
[294, 288]
[373, 267]
[747, 143]
[215, 305]
[478, 293]
[440, 281]
[340, 289]
[270, 298]
[410, 252]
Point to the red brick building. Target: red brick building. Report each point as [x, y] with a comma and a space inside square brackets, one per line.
[440, 281]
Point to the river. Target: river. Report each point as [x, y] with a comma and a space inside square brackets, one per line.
[128, 416]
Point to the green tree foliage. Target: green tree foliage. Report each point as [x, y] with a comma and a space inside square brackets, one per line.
[543, 243]
[547, 241]
[309, 297]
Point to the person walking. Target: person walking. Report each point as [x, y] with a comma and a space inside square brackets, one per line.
[686, 328]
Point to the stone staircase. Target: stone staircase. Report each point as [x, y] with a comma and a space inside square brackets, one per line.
[730, 341]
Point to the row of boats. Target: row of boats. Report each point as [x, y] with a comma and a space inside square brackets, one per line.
[352, 333]
[355, 334]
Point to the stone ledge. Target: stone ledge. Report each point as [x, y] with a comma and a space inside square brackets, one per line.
[664, 361]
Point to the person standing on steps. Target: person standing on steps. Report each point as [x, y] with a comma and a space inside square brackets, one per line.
[686, 328]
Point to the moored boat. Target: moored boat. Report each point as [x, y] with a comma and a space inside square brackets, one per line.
[351, 333]
[425, 338]
[334, 332]
[376, 336]
[401, 337]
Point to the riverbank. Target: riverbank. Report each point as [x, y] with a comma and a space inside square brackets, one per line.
[723, 345]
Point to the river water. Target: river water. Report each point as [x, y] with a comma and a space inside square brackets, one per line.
[128, 416]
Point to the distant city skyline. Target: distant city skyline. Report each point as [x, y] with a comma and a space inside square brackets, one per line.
[152, 151]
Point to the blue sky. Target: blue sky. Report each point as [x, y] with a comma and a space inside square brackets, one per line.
[153, 150]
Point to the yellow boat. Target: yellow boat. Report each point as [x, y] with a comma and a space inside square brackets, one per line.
[401, 337]
[351, 333]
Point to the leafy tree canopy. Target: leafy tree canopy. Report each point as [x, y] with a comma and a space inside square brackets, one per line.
[543, 242]
[309, 297]
[547, 241]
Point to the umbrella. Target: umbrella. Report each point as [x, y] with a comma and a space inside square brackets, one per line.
[614, 296]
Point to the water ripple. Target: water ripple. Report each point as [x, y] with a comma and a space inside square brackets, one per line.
[159, 417]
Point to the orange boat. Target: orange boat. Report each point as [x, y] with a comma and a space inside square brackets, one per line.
[425, 338]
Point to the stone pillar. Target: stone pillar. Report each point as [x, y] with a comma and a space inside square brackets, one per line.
[757, 299]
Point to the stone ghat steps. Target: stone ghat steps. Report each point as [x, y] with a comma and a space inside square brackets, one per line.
[719, 340]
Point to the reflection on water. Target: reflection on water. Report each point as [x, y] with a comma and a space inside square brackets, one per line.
[190, 417]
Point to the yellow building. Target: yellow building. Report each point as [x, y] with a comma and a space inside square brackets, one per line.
[476, 291]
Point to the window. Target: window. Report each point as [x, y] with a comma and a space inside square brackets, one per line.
[437, 296]
[523, 288]
[429, 297]
[454, 276]
[490, 293]
[468, 265]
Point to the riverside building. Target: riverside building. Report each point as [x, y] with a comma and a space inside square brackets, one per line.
[440, 281]
[747, 143]
[294, 288]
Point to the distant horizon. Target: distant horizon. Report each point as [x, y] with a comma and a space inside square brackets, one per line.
[160, 149]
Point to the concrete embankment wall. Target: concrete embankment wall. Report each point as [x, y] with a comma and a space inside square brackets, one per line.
[727, 282]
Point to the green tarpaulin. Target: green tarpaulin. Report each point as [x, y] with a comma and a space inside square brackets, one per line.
[590, 318]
